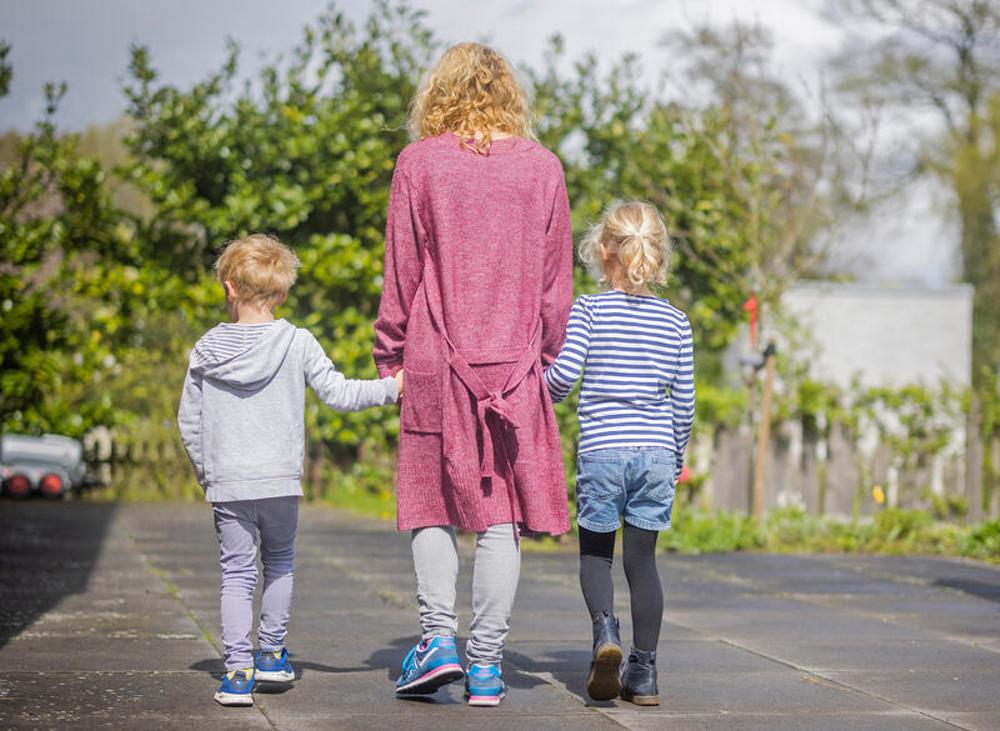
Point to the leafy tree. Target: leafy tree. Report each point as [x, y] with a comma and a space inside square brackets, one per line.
[747, 183]
[306, 153]
[70, 283]
[942, 58]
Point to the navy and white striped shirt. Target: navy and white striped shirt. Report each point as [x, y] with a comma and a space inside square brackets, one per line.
[637, 360]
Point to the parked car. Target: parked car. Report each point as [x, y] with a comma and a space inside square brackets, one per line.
[50, 465]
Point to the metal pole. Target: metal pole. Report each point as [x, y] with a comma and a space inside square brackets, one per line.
[763, 434]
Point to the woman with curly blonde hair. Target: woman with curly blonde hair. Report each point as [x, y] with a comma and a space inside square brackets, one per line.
[478, 287]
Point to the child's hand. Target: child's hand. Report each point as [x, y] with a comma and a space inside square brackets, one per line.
[399, 381]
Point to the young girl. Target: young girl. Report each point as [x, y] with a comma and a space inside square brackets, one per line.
[478, 286]
[636, 410]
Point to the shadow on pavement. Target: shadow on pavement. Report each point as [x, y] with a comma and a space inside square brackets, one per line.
[48, 551]
[568, 667]
[214, 667]
[981, 589]
[390, 658]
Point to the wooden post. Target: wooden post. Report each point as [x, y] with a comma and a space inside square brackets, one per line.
[994, 483]
[316, 471]
[974, 456]
[764, 432]
[748, 433]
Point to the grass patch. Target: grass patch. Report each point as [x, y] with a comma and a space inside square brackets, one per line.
[891, 531]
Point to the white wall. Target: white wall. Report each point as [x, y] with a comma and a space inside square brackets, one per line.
[887, 335]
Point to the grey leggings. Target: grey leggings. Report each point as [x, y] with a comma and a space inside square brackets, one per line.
[241, 526]
[494, 584]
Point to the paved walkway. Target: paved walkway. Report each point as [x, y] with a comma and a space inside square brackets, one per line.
[108, 618]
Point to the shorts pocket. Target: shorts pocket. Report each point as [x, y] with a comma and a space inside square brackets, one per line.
[600, 475]
[421, 402]
[658, 478]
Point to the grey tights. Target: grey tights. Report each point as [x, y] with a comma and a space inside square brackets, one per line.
[494, 583]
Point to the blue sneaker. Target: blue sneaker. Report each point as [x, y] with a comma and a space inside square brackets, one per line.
[428, 666]
[236, 688]
[484, 685]
[274, 666]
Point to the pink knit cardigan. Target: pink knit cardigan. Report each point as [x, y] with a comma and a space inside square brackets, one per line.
[478, 287]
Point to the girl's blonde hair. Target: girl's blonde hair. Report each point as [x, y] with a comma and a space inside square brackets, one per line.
[472, 92]
[260, 268]
[637, 244]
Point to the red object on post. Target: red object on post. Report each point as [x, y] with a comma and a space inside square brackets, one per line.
[750, 307]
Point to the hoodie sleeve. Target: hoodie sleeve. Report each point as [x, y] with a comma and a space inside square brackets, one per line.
[189, 421]
[341, 393]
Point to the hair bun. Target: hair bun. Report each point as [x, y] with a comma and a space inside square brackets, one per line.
[635, 238]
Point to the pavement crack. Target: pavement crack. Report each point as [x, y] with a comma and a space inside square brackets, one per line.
[820, 679]
[171, 589]
[550, 679]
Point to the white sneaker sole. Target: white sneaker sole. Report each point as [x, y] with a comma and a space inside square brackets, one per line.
[432, 681]
[234, 699]
[485, 700]
[274, 676]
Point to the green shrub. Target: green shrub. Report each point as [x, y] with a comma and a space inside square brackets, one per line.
[891, 531]
[693, 531]
[984, 541]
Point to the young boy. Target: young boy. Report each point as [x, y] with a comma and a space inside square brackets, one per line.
[241, 421]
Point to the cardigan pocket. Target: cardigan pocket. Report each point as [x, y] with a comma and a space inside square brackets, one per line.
[421, 402]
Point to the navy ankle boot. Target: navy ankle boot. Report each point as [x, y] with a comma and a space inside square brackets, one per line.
[604, 682]
[639, 679]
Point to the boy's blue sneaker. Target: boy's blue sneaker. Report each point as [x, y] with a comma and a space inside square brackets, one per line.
[428, 666]
[236, 688]
[484, 685]
[274, 666]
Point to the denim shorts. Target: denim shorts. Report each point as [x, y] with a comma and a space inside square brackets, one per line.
[636, 484]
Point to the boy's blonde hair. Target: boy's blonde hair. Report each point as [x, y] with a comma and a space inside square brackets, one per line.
[260, 268]
[637, 243]
[472, 92]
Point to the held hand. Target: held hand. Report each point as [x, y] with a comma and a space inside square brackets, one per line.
[399, 381]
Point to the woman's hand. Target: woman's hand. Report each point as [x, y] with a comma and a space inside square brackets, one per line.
[399, 381]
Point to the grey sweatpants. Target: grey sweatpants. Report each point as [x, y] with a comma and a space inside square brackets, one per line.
[241, 526]
[494, 583]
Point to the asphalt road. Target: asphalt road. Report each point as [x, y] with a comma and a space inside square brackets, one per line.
[109, 618]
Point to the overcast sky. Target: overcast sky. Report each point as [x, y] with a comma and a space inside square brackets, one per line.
[85, 43]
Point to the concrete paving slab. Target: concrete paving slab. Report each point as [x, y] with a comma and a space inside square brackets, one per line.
[889, 721]
[749, 641]
[932, 691]
[974, 721]
[877, 655]
[133, 700]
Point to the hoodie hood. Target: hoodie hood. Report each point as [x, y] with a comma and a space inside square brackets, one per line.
[243, 356]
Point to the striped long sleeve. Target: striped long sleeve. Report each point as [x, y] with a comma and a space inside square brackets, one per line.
[682, 396]
[565, 371]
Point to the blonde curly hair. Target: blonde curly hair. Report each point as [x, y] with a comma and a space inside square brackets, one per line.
[472, 92]
[637, 244]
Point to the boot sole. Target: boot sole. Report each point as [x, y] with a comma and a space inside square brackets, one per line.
[604, 683]
[641, 700]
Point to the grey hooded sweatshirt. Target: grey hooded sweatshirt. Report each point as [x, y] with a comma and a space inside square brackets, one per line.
[241, 415]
